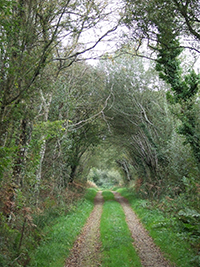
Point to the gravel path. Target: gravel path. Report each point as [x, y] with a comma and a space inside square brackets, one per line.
[86, 249]
[149, 253]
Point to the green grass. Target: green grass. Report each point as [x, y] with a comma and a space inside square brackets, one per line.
[116, 238]
[163, 230]
[60, 237]
[107, 195]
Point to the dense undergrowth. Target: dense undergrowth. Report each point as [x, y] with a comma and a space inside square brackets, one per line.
[38, 238]
[115, 236]
[173, 224]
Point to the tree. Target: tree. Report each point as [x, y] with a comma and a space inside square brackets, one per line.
[143, 125]
[30, 32]
[76, 103]
[184, 88]
[31, 37]
[164, 27]
[139, 117]
[145, 17]
[39, 40]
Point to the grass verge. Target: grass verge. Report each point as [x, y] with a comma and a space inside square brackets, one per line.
[163, 230]
[59, 238]
[115, 236]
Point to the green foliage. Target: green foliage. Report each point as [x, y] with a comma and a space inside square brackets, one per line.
[104, 178]
[116, 238]
[90, 194]
[184, 88]
[6, 155]
[8, 242]
[50, 129]
[170, 71]
[190, 219]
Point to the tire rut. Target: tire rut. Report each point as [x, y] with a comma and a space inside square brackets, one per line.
[150, 255]
[86, 249]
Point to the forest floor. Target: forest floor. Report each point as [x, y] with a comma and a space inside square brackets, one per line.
[87, 251]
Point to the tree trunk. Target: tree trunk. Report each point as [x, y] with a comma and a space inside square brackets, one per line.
[72, 174]
[20, 156]
[46, 105]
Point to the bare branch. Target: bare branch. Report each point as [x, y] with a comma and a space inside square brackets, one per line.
[145, 115]
[75, 55]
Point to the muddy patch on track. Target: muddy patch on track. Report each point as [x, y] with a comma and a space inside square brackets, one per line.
[150, 255]
[86, 249]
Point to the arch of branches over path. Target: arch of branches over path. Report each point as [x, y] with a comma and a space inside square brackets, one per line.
[57, 112]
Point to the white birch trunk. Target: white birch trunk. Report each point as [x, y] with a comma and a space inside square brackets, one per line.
[45, 106]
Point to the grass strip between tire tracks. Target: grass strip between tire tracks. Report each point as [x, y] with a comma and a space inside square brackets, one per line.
[60, 237]
[115, 236]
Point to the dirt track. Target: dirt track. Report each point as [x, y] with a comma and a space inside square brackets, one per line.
[86, 250]
[150, 255]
